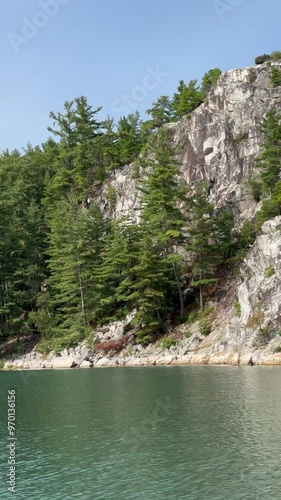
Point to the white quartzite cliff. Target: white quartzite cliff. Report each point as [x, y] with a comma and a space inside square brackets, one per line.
[219, 142]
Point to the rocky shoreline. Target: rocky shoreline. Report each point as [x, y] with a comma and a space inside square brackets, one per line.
[193, 351]
[165, 360]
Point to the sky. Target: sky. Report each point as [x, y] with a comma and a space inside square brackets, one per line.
[120, 54]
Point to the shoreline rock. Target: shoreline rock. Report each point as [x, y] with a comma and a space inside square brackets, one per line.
[255, 358]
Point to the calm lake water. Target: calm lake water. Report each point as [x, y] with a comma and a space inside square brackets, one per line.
[196, 433]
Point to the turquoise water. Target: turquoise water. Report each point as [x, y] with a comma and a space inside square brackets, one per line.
[153, 433]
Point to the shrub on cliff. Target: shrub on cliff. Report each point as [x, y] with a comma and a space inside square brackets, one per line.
[262, 59]
[112, 345]
[276, 55]
[275, 76]
[204, 328]
[270, 209]
[168, 342]
[256, 187]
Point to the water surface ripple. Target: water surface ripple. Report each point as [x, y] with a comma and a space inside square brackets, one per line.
[195, 433]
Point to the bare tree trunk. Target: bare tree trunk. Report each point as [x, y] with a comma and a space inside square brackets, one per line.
[201, 296]
[201, 299]
[83, 309]
[179, 290]
[167, 330]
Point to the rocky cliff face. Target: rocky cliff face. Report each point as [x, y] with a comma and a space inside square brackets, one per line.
[247, 328]
[218, 143]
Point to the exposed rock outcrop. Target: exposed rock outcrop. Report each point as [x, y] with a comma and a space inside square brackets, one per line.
[219, 142]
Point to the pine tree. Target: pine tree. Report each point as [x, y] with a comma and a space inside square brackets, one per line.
[22, 245]
[87, 164]
[149, 291]
[269, 162]
[202, 243]
[186, 99]
[76, 240]
[78, 163]
[129, 138]
[224, 234]
[162, 218]
[160, 112]
[209, 80]
[108, 145]
[115, 275]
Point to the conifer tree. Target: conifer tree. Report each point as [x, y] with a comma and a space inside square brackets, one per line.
[202, 242]
[275, 76]
[269, 162]
[209, 80]
[186, 99]
[150, 291]
[129, 138]
[78, 163]
[162, 218]
[160, 112]
[75, 245]
[115, 275]
[87, 164]
[22, 244]
[108, 145]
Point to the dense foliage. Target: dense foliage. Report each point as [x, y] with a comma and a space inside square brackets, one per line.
[66, 266]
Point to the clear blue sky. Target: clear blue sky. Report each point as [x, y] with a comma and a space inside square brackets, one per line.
[103, 49]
